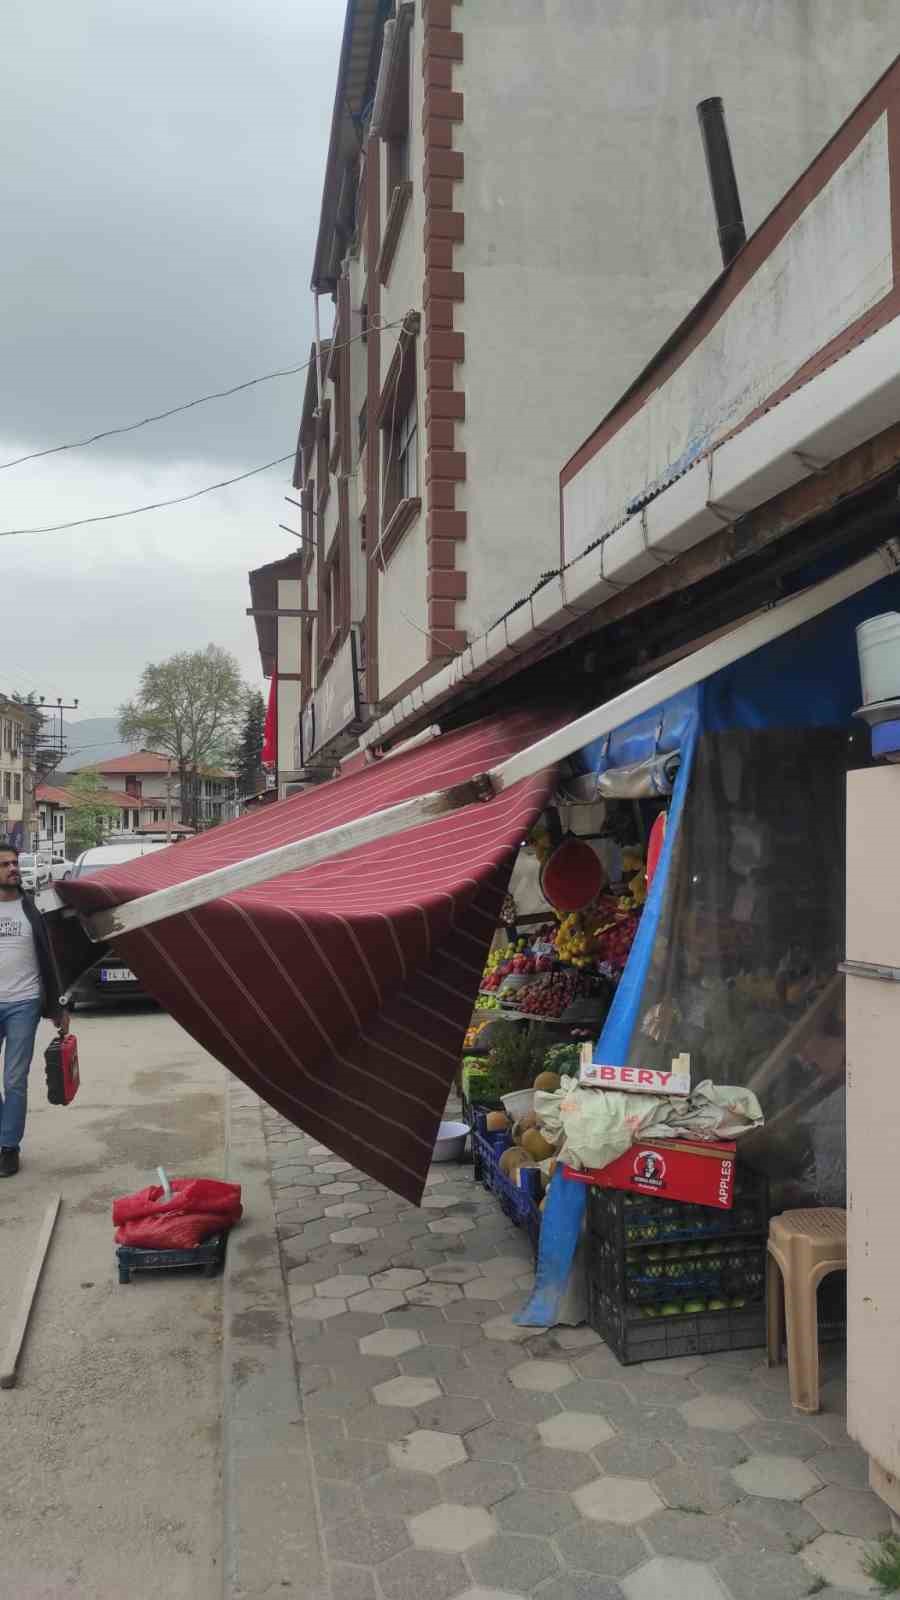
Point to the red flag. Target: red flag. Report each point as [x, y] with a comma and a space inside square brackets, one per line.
[270, 736]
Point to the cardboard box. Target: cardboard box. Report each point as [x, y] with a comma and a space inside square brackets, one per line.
[671, 1169]
[635, 1080]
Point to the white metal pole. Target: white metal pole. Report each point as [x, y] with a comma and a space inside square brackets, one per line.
[548, 752]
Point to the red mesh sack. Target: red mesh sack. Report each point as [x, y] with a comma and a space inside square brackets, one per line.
[573, 876]
[166, 1231]
[190, 1196]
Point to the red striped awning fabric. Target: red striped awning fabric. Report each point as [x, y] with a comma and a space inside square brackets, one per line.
[341, 993]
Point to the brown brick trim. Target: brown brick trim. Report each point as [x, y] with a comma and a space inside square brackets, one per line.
[444, 351]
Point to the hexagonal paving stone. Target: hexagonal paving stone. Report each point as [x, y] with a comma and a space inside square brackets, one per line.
[484, 1289]
[611, 1551]
[839, 1561]
[354, 1235]
[513, 1561]
[478, 1483]
[846, 1465]
[853, 1511]
[319, 1309]
[750, 1574]
[717, 1411]
[376, 1302]
[351, 1583]
[343, 1188]
[399, 1494]
[502, 1441]
[452, 1528]
[620, 1500]
[506, 1331]
[434, 1294]
[453, 1414]
[428, 1451]
[490, 1594]
[544, 1376]
[568, 1469]
[776, 1478]
[334, 1166]
[380, 1422]
[690, 1537]
[778, 1525]
[390, 1342]
[454, 1272]
[406, 1391]
[348, 1209]
[350, 1460]
[543, 1511]
[423, 1575]
[634, 1458]
[697, 1488]
[341, 1288]
[451, 1225]
[439, 1201]
[669, 1579]
[402, 1278]
[575, 1430]
[367, 1540]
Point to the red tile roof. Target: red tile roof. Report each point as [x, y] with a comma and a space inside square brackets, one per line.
[50, 795]
[139, 762]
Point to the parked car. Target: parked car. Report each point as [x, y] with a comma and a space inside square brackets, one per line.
[34, 871]
[108, 979]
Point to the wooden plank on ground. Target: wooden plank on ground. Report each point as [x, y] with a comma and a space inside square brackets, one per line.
[10, 1363]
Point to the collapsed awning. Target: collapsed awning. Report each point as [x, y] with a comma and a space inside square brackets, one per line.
[341, 993]
[328, 949]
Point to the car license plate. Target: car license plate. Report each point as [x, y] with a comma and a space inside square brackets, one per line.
[117, 975]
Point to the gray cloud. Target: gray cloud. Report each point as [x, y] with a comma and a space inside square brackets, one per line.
[161, 191]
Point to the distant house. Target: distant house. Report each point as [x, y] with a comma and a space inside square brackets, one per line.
[152, 792]
[51, 804]
[18, 726]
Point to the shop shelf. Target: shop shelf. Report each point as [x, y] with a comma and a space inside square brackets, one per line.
[521, 1203]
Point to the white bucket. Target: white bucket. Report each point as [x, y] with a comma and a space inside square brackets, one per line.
[878, 648]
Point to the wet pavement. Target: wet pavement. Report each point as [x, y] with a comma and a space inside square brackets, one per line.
[458, 1455]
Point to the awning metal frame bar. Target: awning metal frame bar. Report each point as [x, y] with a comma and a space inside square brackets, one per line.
[748, 637]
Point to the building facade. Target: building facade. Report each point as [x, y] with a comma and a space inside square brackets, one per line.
[147, 785]
[18, 730]
[51, 805]
[515, 215]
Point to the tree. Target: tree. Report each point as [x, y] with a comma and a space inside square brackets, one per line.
[188, 707]
[87, 819]
[248, 755]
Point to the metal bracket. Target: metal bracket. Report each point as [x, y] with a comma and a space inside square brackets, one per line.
[869, 969]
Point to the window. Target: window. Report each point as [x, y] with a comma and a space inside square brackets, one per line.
[7, 734]
[331, 598]
[59, 822]
[135, 819]
[363, 424]
[17, 785]
[399, 444]
[7, 785]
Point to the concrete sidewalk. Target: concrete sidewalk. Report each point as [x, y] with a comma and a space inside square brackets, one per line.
[457, 1455]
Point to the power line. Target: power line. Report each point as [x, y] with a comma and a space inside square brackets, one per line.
[157, 505]
[187, 405]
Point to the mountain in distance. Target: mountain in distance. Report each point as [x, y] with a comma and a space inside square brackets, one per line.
[90, 741]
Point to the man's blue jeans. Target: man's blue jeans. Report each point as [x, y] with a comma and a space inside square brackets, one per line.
[18, 1026]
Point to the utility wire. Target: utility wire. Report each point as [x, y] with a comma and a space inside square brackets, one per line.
[160, 416]
[157, 505]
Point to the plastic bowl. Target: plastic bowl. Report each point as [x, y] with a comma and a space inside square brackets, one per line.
[451, 1141]
[515, 1105]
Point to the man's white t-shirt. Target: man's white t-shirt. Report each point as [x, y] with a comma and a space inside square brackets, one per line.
[20, 975]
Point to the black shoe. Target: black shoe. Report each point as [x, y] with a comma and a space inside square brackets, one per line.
[9, 1163]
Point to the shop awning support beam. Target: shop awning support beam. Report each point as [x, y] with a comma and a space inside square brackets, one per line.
[548, 752]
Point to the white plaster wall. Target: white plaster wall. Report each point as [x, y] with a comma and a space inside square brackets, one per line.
[589, 225]
[833, 265]
[403, 646]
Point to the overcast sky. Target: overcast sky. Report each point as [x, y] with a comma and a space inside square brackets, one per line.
[162, 173]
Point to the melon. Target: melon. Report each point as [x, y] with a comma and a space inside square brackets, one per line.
[511, 1160]
[496, 1122]
[539, 1148]
[547, 1083]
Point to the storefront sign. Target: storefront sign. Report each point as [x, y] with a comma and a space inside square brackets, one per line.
[335, 705]
[635, 1080]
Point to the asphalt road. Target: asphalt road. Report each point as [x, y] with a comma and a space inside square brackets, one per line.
[110, 1445]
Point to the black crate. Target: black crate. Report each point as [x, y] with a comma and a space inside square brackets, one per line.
[654, 1265]
[633, 1337]
[207, 1257]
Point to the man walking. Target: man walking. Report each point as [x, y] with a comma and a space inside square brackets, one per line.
[29, 989]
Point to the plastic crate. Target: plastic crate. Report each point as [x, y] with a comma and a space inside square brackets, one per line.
[634, 1221]
[633, 1337]
[520, 1202]
[645, 1257]
[207, 1256]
